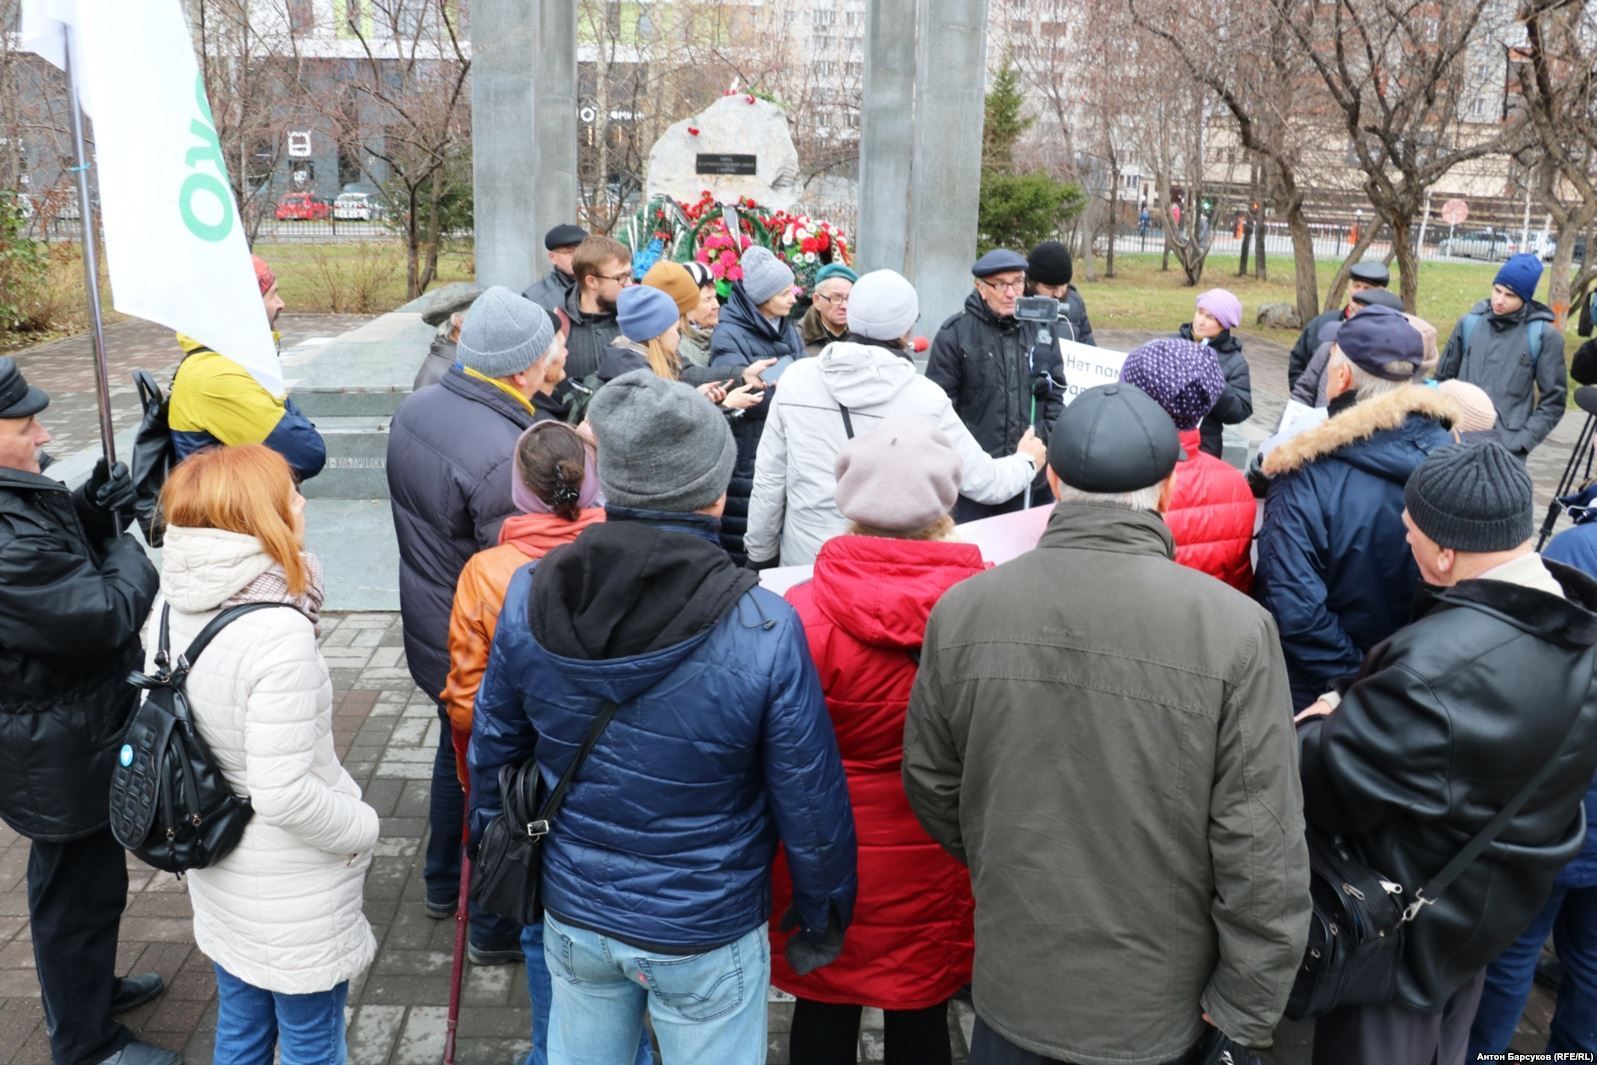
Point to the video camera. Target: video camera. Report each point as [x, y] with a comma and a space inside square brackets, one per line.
[1045, 312]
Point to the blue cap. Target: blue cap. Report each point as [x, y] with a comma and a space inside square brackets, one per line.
[1520, 275]
[644, 312]
[998, 261]
[831, 270]
[1381, 341]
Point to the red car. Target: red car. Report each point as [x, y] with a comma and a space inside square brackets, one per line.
[302, 207]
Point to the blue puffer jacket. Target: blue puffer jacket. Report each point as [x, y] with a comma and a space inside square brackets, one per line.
[722, 743]
[1577, 547]
[1334, 565]
[745, 336]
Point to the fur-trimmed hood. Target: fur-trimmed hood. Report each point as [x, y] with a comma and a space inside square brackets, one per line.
[1360, 423]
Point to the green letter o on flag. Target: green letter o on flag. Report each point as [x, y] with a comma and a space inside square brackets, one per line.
[194, 185]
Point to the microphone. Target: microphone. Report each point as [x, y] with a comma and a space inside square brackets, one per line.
[919, 344]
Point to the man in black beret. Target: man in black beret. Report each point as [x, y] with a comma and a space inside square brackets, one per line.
[74, 593]
[1117, 921]
[983, 358]
[1361, 278]
[561, 243]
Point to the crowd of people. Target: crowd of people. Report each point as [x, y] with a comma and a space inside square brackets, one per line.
[1082, 784]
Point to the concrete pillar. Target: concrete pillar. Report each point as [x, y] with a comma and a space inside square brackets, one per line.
[887, 124]
[950, 97]
[524, 133]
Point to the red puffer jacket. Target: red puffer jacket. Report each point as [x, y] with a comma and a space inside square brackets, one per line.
[1211, 516]
[909, 946]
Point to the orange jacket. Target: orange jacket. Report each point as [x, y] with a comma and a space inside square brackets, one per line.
[479, 595]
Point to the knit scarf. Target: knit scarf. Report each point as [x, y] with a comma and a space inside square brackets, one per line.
[272, 587]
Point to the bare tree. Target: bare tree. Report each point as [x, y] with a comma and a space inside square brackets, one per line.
[1409, 81]
[1558, 99]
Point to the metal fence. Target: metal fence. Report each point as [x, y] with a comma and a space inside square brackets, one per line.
[1441, 243]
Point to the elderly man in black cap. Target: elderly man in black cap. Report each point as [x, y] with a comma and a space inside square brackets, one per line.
[1361, 278]
[1331, 565]
[1103, 736]
[561, 243]
[74, 592]
[1001, 389]
[1464, 743]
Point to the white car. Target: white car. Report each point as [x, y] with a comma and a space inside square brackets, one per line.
[354, 207]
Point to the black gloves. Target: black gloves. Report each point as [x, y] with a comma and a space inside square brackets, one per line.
[1217, 1048]
[110, 490]
[808, 951]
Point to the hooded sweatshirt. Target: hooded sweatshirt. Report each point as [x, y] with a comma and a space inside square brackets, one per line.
[792, 510]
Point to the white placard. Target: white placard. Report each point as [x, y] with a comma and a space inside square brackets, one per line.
[1088, 367]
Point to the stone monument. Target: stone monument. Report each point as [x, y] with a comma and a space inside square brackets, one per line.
[738, 146]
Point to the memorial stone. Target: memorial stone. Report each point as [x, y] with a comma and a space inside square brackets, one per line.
[735, 148]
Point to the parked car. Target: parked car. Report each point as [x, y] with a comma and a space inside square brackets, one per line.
[1485, 244]
[302, 207]
[1550, 248]
[355, 207]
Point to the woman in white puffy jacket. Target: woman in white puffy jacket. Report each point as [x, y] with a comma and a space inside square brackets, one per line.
[280, 916]
[850, 388]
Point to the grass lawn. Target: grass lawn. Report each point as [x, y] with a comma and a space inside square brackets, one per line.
[358, 277]
[1141, 296]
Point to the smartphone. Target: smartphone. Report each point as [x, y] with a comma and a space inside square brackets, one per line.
[777, 369]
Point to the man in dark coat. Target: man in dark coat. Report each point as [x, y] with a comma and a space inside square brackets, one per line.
[74, 593]
[982, 357]
[1113, 919]
[657, 880]
[1361, 278]
[1445, 722]
[1510, 346]
[561, 244]
[1331, 567]
[587, 317]
[1049, 270]
[450, 452]
[754, 327]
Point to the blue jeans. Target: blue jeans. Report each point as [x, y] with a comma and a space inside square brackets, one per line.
[1571, 916]
[707, 1007]
[252, 1023]
[446, 810]
[539, 993]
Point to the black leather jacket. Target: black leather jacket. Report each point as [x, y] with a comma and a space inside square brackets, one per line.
[73, 597]
[1445, 721]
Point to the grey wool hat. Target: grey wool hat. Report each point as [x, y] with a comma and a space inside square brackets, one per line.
[503, 334]
[1472, 497]
[662, 444]
[764, 275]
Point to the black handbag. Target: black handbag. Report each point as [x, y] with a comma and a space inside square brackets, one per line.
[154, 455]
[170, 804]
[1356, 930]
[507, 877]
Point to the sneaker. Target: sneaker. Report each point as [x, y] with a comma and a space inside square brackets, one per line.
[139, 1052]
[495, 955]
[135, 990]
[440, 910]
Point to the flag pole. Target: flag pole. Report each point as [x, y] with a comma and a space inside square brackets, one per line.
[91, 262]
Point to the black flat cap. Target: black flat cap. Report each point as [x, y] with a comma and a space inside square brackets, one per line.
[1379, 297]
[18, 399]
[1371, 274]
[564, 236]
[1114, 438]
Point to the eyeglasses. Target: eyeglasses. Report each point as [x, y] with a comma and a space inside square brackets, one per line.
[834, 300]
[1005, 286]
[620, 279]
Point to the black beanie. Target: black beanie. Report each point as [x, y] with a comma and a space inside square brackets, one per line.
[1471, 497]
[1049, 264]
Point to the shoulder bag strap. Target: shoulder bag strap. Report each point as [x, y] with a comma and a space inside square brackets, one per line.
[212, 627]
[848, 423]
[539, 827]
[1439, 883]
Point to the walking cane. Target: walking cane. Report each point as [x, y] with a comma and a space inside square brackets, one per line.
[1580, 458]
[457, 967]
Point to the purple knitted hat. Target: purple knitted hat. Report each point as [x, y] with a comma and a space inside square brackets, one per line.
[1222, 306]
[1182, 377]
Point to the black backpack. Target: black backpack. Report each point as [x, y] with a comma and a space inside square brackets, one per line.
[170, 804]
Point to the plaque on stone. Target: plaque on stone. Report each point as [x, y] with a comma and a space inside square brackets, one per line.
[740, 146]
[727, 164]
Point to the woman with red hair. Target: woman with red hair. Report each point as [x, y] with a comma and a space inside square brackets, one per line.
[280, 915]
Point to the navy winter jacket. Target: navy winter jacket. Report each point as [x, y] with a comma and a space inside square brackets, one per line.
[1334, 566]
[745, 336]
[722, 744]
[1577, 547]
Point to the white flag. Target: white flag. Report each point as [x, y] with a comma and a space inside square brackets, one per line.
[173, 242]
